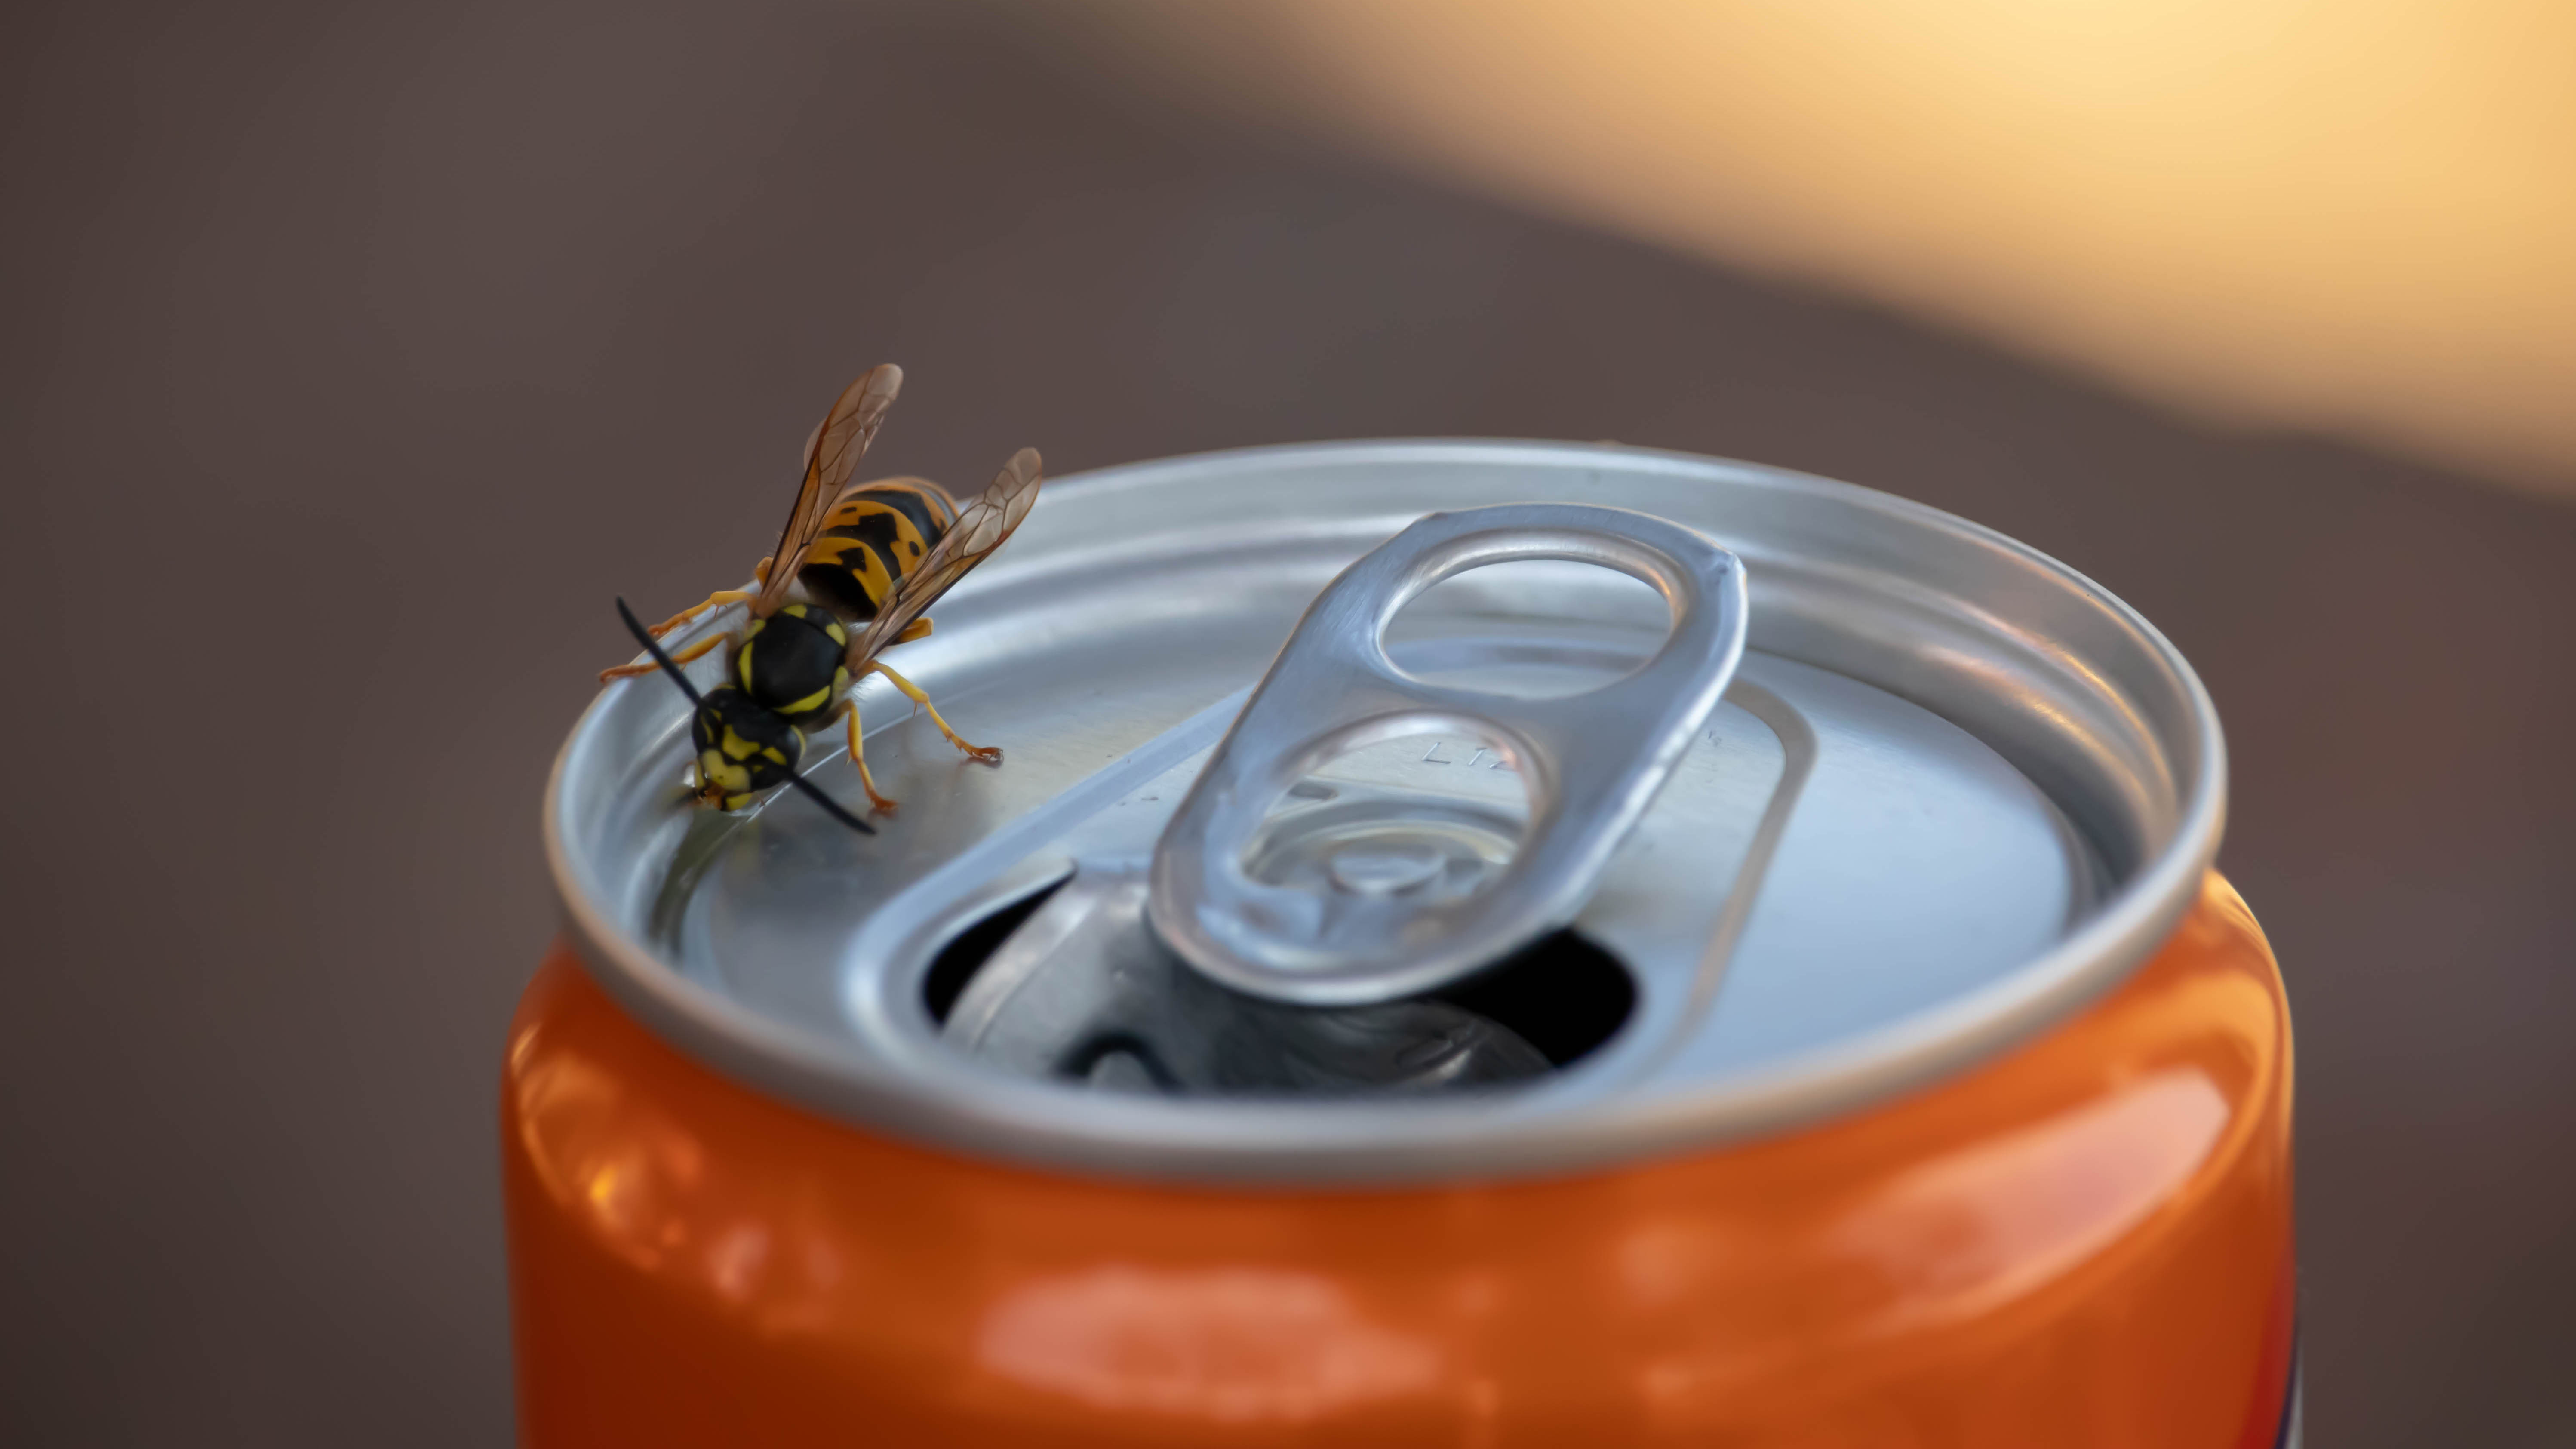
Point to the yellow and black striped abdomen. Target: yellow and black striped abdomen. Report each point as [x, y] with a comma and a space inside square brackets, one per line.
[874, 535]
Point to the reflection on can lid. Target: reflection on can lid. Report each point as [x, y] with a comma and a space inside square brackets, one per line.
[1953, 791]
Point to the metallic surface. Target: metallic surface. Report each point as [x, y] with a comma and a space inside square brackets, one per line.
[1592, 762]
[2085, 1240]
[1955, 792]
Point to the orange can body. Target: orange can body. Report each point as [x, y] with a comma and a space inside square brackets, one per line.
[2084, 1240]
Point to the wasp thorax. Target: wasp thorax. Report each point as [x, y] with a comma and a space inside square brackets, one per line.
[791, 662]
[743, 748]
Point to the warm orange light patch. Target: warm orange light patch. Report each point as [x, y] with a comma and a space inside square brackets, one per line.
[2358, 217]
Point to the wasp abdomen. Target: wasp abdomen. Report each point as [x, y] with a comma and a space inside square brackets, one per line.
[872, 537]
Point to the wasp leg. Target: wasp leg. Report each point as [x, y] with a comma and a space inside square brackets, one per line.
[720, 596]
[695, 651]
[917, 629]
[980, 754]
[867, 782]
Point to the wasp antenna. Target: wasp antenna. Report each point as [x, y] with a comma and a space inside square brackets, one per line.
[653, 647]
[831, 807]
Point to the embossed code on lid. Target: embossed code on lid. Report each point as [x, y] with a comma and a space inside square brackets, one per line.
[1953, 791]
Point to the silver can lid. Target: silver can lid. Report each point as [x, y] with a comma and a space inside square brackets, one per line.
[1953, 791]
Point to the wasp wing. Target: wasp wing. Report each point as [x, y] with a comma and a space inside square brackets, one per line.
[979, 530]
[831, 455]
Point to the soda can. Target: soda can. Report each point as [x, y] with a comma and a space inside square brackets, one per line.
[1470, 943]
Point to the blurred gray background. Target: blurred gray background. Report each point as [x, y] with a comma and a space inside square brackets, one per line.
[354, 361]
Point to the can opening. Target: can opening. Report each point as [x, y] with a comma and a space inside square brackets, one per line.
[967, 951]
[1561, 993]
[1078, 991]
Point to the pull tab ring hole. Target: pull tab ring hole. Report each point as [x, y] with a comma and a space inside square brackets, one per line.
[1529, 628]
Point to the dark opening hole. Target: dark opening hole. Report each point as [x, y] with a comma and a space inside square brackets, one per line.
[959, 960]
[1561, 994]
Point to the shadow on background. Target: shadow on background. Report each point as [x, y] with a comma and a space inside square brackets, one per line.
[355, 362]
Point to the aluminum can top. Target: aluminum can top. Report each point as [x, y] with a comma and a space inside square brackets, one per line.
[1934, 791]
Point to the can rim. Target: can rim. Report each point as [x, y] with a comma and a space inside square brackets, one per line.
[1450, 1139]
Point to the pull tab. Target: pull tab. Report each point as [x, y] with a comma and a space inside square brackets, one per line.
[1591, 762]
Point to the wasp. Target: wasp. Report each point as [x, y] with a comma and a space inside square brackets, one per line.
[855, 572]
